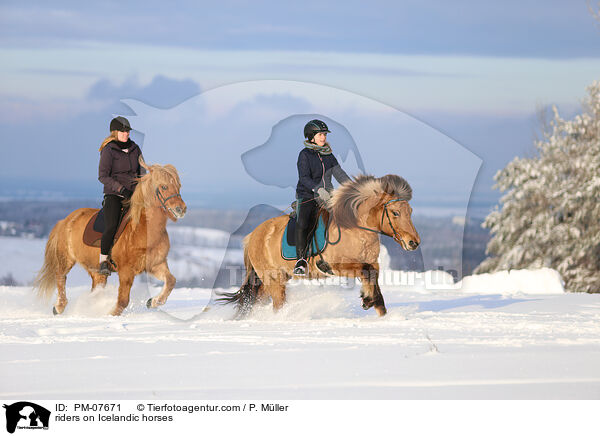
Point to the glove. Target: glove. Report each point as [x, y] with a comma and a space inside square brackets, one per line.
[324, 196]
[127, 193]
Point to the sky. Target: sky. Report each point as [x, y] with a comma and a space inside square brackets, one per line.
[476, 72]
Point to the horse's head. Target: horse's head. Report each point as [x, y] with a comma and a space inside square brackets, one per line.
[378, 204]
[396, 222]
[160, 187]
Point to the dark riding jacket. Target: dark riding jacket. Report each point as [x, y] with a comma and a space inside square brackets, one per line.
[119, 167]
[315, 171]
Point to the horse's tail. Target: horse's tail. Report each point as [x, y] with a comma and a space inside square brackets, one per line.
[246, 296]
[45, 281]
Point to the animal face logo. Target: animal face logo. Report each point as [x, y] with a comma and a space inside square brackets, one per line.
[25, 415]
[237, 146]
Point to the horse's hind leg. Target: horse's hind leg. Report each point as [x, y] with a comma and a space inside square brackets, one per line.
[162, 273]
[275, 287]
[371, 292]
[278, 295]
[61, 282]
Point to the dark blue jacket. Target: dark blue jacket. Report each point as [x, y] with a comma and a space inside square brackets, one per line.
[315, 171]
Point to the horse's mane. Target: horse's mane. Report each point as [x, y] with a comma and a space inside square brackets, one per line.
[350, 195]
[156, 175]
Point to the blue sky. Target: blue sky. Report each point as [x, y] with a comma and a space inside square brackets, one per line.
[476, 71]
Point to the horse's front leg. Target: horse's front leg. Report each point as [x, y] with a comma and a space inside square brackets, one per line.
[162, 273]
[125, 282]
[371, 292]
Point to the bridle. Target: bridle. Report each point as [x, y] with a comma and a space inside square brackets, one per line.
[386, 213]
[163, 201]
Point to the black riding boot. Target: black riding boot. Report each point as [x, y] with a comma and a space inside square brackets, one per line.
[112, 206]
[324, 267]
[301, 267]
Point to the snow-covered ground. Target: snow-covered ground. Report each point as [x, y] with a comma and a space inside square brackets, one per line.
[432, 344]
[506, 335]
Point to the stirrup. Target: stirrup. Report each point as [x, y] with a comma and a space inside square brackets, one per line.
[104, 268]
[301, 268]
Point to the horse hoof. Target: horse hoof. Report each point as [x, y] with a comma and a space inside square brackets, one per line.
[381, 310]
[149, 303]
[54, 311]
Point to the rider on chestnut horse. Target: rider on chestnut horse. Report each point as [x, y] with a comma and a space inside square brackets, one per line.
[118, 171]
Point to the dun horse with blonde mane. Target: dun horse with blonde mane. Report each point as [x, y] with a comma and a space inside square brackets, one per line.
[143, 245]
[360, 210]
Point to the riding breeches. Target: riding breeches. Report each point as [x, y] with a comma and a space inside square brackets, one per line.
[307, 212]
[112, 214]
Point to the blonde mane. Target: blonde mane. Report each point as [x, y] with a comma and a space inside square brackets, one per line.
[350, 195]
[143, 196]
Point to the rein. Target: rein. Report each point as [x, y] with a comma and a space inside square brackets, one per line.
[163, 200]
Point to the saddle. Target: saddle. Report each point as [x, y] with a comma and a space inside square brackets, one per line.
[318, 241]
[96, 225]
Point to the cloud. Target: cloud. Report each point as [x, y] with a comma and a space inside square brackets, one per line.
[525, 28]
[103, 95]
[23, 111]
[45, 22]
[410, 82]
[57, 72]
[275, 30]
[162, 92]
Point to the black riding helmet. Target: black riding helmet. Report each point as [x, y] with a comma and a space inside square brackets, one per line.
[121, 124]
[313, 127]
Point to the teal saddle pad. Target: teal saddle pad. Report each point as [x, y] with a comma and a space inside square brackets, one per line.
[288, 241]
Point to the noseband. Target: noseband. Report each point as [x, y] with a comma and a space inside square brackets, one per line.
[163, 201]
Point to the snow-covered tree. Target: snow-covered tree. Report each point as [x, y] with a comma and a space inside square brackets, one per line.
[550, 213]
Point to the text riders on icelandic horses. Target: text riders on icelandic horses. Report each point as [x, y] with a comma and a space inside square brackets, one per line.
[142, 244]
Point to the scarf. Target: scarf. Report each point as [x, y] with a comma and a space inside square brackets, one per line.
[326, 149]
[124, 146]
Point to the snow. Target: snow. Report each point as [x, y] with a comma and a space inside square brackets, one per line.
[198, 236]
[541, 281]
[508, 335]
[435, 345]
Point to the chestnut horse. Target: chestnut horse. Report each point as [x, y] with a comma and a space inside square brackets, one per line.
[143, 245]
[360, 210]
